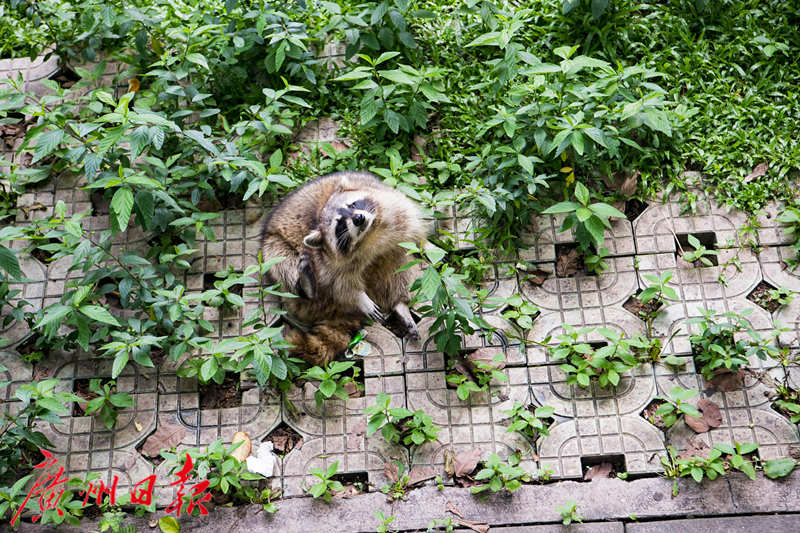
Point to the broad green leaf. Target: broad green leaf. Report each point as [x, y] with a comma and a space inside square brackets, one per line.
[47, 142]
[122, 205]
[100, 314]
[9, 262]
[778, 468]
[198, 59]
[606, 210]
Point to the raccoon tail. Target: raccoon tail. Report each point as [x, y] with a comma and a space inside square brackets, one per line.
[323, 342]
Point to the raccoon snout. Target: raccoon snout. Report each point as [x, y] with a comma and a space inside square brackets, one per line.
[358, 219]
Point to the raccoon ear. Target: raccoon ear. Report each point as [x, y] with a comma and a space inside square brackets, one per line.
[313, 239]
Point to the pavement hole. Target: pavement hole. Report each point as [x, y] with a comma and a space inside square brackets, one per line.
[603, 465]
[80, 386]
[227, 394]
[633, 305]
[65, 77]
[649, 414]
[761, 297]
[100, 204]
[706, 238]
[44, 249]
[209, 278]
[570, 261]
[109, 288]
[284, 439]
[634, 207]
[353, 481]
[355, 388]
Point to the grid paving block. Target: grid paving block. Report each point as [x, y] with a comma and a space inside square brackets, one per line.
[770, 232]
[634, 391]
[602, 436]
[550, 325]
[385, 352]
[589, 293]
[457, 225]
[423, 355]
[236, 243]
[33, 71]
[32, 292]
[14, 371]
[478, 422]
[258, 412]
[540, 238]
[774, 434]
[777, 273]
[655, 229]
[753, 393]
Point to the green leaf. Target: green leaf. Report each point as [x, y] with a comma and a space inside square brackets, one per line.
[327, 387]
[198, 59]
[53, 314]
[46, 143]
[100, 314]
[561, 207]
[168, 524]
[598, 6]
[778, 468]
[582, 193]
[9, 262]
[122, 205]
[606, 210]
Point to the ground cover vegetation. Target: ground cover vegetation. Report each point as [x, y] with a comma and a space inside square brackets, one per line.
[508, 108]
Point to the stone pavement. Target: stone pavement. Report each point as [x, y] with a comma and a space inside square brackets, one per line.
[591, 424]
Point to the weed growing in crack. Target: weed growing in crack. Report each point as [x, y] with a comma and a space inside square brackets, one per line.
[675, 404]
[326, 486]
[528, 421]
[500, 475]
[399, 425]
[569, 512]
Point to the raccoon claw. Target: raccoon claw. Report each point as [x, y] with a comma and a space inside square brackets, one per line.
[370, 308]
[413, 335]
[376, 315]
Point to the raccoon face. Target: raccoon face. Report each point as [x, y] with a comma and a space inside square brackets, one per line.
[345, 221]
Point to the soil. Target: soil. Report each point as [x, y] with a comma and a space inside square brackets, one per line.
[353, 482]
[650, 412]
[682, 246]
[44, 256]
[634, 208]
[760, 296]
[9, 133]
[220, 396]
[100, 206]
[29, 352]
[636, 307]
[284, 439]
[66, 78]
[81, 388]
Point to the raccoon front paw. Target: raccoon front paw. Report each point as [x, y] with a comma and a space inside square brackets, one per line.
[412, 335]
[369, 308]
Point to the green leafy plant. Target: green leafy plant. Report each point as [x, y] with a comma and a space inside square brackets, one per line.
[717, 345]
[700, 252]
[398, 424]
[446, 298]
[326, 486]
[675, 404]
[500, 475]
[107, 401]
[516, 310]
[481, 374]
[655, 296]
[583, 362]
[227, 476]
[384, 522]
[590, 221]
[569, 512]
[331, 380]
[791, 217]
[531, 422]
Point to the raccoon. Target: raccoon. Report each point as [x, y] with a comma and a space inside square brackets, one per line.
[339, 236]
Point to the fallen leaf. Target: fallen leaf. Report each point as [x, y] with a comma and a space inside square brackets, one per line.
[352, 390]
[697, 424]
[419, 474]
[453, 509]
[603, 470]
[165, 436]
[537, 277]
[728, 381]
[486, 355]
[711, 413]
[418, 148]
[630, 184]
[757, 172]
[480, 527]
[133, 85]
[449, 462]
[138, 426]
[568, 264]
[391, 472]
[466, 462]
[243, 451]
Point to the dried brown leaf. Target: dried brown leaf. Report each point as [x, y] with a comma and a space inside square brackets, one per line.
[697, 424]
[449, 462]
[486, 355]
[453, 509]
[757, 172]
[480, 527]
[165, 436]
[419, 474]
[711, 413]
[630, 184]
[466, 462]
[603, 470]
[568, 264]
